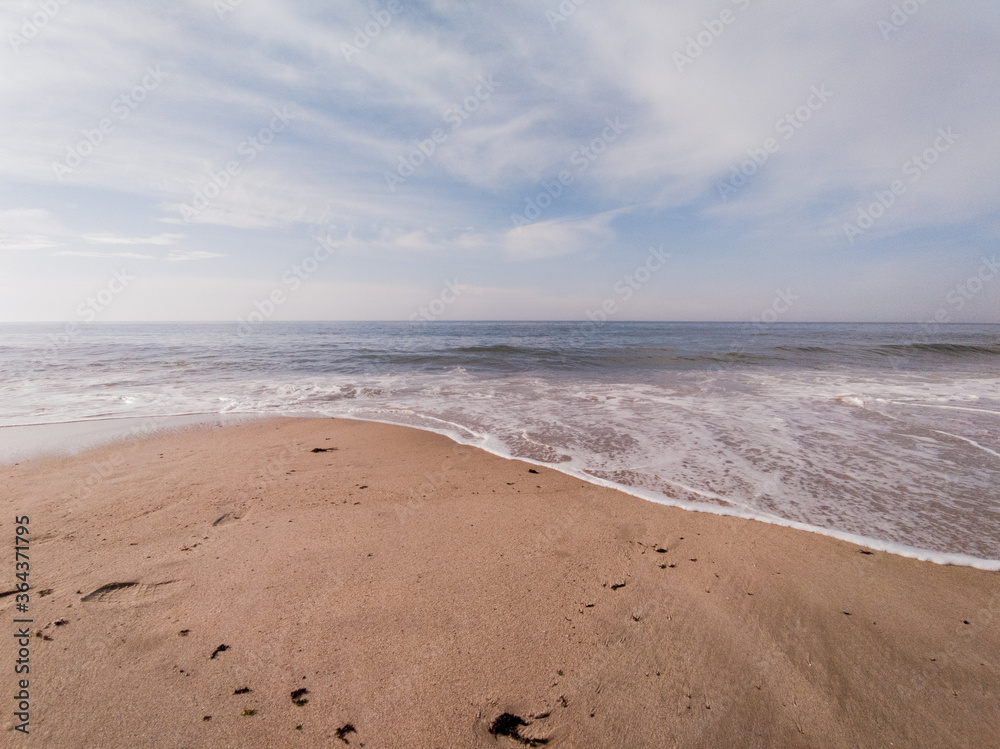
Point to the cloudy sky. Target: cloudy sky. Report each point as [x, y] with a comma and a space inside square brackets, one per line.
[519, 160]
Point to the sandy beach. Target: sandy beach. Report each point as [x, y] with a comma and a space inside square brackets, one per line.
[323, 583]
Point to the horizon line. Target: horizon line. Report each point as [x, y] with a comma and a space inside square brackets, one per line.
[538, 321]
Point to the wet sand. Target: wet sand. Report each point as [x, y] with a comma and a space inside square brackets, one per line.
[233, 587]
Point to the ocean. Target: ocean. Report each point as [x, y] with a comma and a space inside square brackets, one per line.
[880, 433]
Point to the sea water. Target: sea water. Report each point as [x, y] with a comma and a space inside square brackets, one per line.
[888, 434]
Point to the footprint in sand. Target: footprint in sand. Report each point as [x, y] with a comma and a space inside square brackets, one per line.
[131, 592]
[229, 517]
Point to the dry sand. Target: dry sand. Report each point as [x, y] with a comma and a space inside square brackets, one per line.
[418, 590]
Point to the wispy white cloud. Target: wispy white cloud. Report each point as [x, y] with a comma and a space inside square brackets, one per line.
[95, 254]
[184, 255]
[563, 236]
[23, 229]
[109, 238]
[26, 242]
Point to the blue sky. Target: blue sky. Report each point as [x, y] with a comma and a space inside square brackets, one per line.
[399, 150]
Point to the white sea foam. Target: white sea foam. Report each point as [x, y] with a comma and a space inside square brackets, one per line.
[903, 460]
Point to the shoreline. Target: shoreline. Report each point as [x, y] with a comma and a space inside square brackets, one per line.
[174, 422]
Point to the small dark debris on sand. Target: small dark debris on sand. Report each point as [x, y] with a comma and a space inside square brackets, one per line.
[660, 550]
[243, 690]
[865, 551]
[323, 449]
[220, 649]
[207, 718]
[249, 712]
[297, 696]
[616, 586]
[184, 632]
[508, 724]
[532, 470]
[344, 730]
[60, 622]
[46, 592]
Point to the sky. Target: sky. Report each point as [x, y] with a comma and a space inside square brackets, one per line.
[251, 160]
